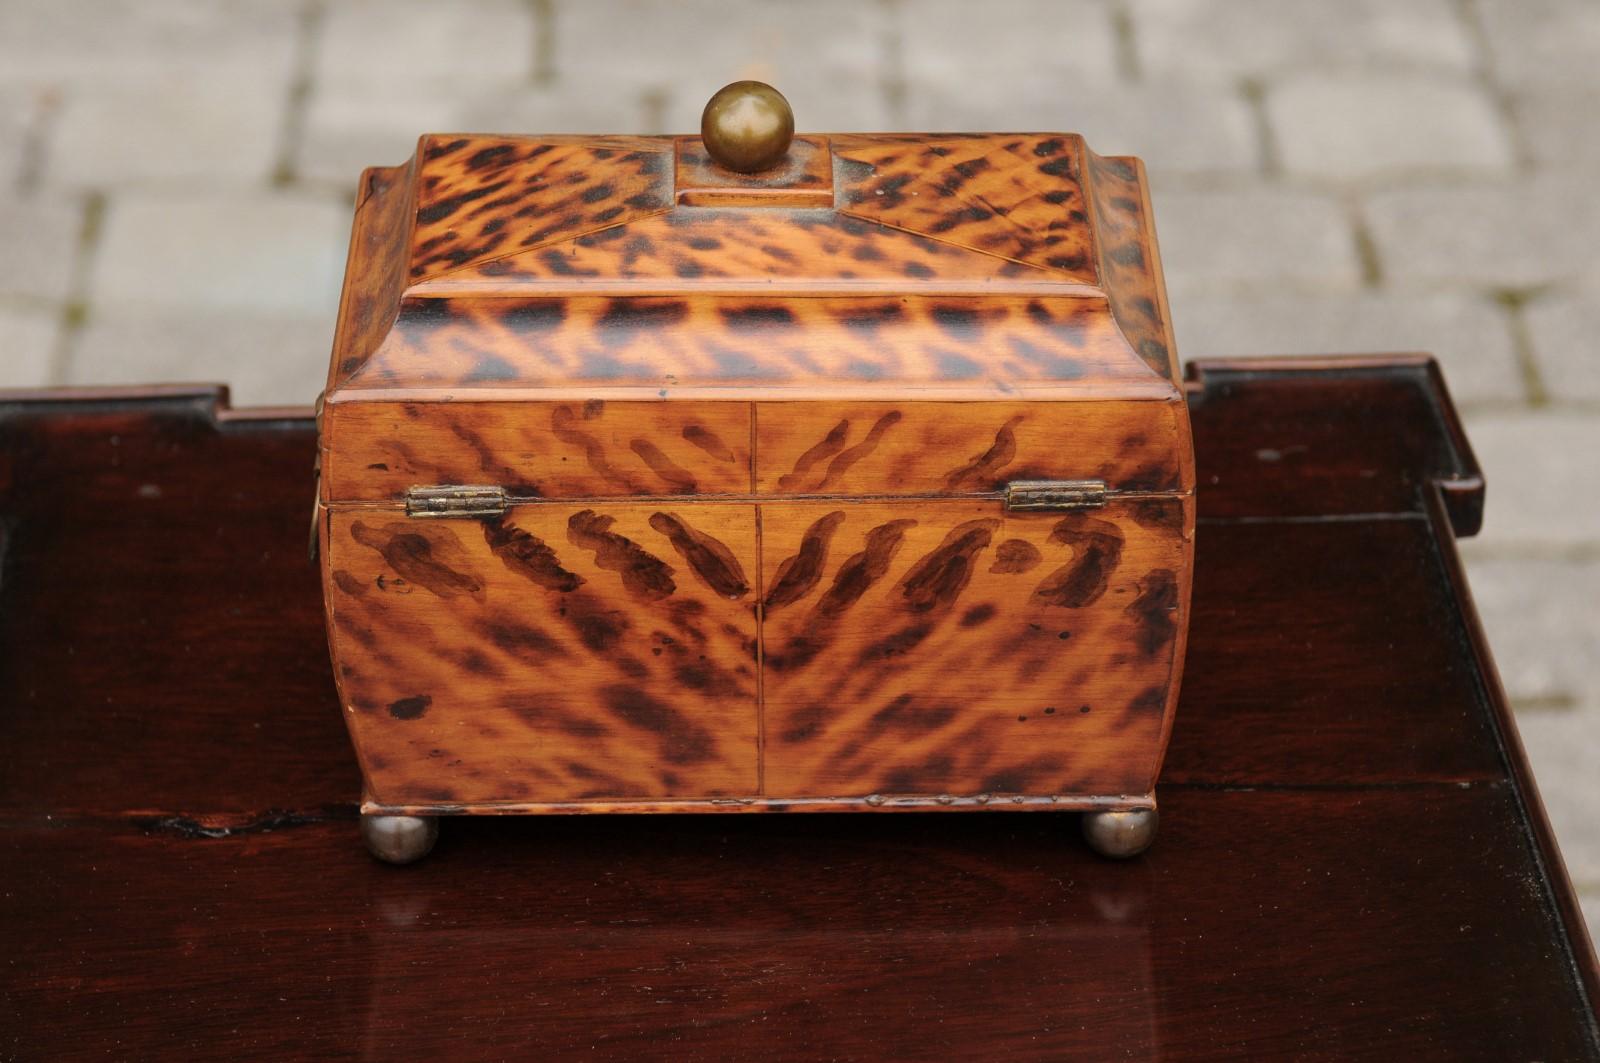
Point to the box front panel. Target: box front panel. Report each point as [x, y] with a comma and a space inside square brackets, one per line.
[561, 652]
[964, 448]
[951, 647]
[579, 449]
[837, 604]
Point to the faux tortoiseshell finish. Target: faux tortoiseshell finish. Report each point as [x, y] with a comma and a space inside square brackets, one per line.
[756, 431]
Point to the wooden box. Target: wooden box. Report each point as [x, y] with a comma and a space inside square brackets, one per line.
[861, 483]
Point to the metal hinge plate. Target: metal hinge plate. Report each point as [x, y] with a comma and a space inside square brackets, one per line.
[456, 500]
[1055, 495]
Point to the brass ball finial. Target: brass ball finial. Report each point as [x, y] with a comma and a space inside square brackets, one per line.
[747, 126]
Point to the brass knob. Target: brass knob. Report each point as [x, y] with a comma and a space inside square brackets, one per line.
[747, 126]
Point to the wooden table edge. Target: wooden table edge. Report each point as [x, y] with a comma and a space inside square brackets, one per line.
[1541, 836]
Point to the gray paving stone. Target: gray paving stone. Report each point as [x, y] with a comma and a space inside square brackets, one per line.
[346, 131]
[983, 60]
[1262, 238]
[550, 110]
[1589, 899]
[17, 114]
[1543, 627]
[1559, 125]
[207, 254]
[226, 135]
[826, 56]
[1229, 39]
[179, 43]
[1493, 234]
[1175, 128]
[27, 342]
[38, 239]
[1544, 481]
[401, 45]
[1469, 335]
[1563, 748]
[850, 102]
[1564, 328]
[1363, 125]
[1542, 42]
[267, 360]
[853, 103]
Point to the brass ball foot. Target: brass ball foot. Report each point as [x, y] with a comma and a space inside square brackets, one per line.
[399, 839]
[1120, 835]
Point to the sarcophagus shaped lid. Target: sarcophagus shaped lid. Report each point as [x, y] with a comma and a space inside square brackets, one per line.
[601, 316]
[968, 265]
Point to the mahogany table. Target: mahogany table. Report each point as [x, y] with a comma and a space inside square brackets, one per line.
[1353, 862]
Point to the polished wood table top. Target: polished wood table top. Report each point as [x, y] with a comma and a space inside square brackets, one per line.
[1353, 862]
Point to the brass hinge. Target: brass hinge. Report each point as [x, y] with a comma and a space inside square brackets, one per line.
[1055, 494]
[456, 500]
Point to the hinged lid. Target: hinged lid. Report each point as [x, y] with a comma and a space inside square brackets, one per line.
[892, 279]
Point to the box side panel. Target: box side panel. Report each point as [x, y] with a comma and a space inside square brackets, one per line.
[375, 268]
[1180, 648]
[562, 652]
[951, 647]
[1129, 263]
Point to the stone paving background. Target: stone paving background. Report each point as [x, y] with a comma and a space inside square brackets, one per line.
[1366, 175]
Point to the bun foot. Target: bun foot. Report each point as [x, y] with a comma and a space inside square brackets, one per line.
[1121, 834]
[399, 839]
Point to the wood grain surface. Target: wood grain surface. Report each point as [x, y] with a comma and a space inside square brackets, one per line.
[671, 346]
[478, 198]
[955, 649]
[564, 655]
[956, 449]
[568, 653]
[374, 451]
[1354, 864]
[533, 262]
[555, 654]
[803, 178]
[784, 408]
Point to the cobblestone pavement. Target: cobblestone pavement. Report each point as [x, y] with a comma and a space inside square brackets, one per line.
[1366, 175]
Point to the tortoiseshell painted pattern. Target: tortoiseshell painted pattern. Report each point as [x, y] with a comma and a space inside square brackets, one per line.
[803, 179]
[990, 215]
[1020, 608]
[942, 448]
[579, 449]
[754, 248]
[566, 652]
[482, 196]
[610, 651]
[1019, 198]
[1130, 268]
[756, 433]
[375, 277]
[994, 346]
[599, 449]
